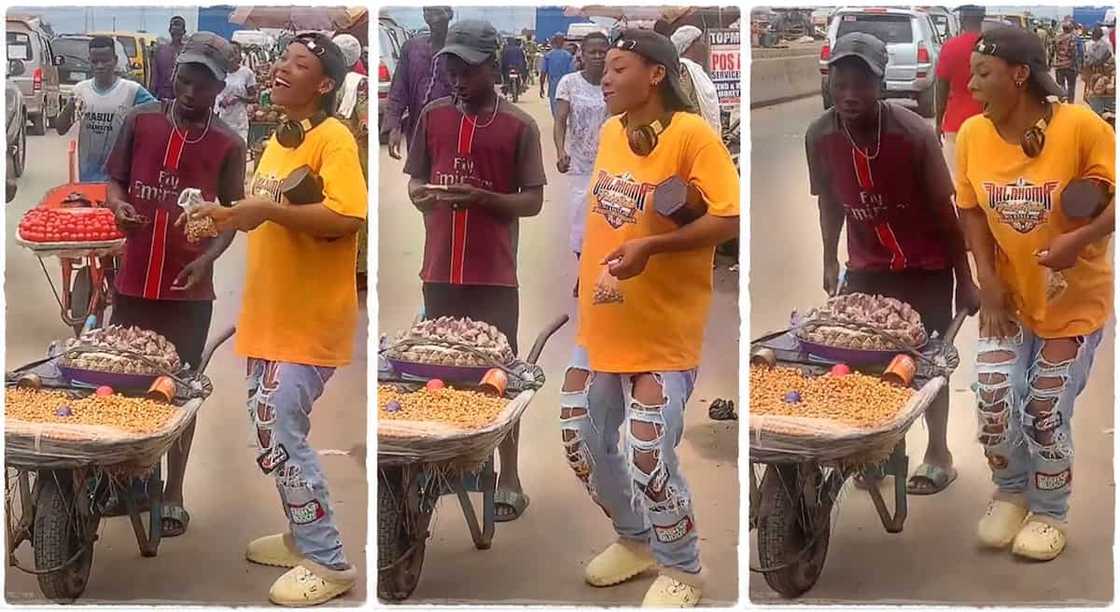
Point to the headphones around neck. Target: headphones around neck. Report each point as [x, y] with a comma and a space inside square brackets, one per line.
[644, 138]
[1033, 140]
[290, 134]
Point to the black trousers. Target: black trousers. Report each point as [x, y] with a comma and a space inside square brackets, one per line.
[1067, 80]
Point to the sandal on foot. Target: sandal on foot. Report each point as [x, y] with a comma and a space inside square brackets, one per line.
[1001, 522]
[174, 520]
[517, 501]
[673, 590]
[275, 550]
[1040, 539]
[930, 479]
[620, 562]
[311, 584]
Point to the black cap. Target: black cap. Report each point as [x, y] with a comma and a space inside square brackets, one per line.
[1020, 47]
[658, 49]
[208, 49]
[863, 46]
[322, 47]
[473, 41]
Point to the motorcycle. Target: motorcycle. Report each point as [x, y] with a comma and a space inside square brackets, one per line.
[513, 85]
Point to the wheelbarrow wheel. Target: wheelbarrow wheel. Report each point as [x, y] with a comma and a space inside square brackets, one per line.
[400, 549]
[79, 299]
[57, 538]
[793, 535]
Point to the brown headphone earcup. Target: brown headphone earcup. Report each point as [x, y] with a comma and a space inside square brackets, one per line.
[642, 139]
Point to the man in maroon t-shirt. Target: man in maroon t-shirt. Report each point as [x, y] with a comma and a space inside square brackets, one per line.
[954, 101]
[878, 167]
[165, 283]
[476, 168]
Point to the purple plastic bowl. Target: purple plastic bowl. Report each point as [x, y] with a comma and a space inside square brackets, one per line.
[426, 371]
[856, 357]
[119, 382]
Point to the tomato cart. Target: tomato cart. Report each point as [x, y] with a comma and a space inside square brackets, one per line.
[71, 224]
[63, 477]
[416, 467]
[804, 464]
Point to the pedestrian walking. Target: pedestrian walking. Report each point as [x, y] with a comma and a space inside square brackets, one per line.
[476, 170]
[1045, 280]
[99, 106]
[420, 78]
[954, 102]
[878, 169]
[305, 250]
[635, 363]
[1100, 74]
[163, 61]
[556, 64]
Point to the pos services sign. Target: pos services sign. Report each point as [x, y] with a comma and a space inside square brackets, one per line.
[723, 64]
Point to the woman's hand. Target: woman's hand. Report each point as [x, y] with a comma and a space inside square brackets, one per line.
[995, 314]
[1062, 253]
[628, 260]
[244, 216]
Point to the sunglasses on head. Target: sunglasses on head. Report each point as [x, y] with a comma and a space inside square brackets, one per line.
[314, 47]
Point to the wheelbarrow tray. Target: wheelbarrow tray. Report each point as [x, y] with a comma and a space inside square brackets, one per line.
[63, 445]
[791, 439]
[85, 248]
[400, 442]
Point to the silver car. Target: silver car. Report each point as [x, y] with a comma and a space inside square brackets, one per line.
[29, 42]
[913, 45]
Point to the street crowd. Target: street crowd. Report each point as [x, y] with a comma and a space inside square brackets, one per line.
[190, 132]
[636, 116]
[1021, 176]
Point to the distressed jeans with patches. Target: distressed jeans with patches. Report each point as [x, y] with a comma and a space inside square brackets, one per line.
[1026, 388]
[653, 507]
[281, 396]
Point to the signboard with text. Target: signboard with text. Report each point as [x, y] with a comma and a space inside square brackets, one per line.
[723, 64]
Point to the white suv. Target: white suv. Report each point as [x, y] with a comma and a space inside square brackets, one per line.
[913, 45]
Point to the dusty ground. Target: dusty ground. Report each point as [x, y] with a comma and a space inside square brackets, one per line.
[935, 559]
[540, 557]
[230, 501]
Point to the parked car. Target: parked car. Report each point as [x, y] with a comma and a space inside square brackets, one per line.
[135, 53]
[391, 38]
[913, 46]
[30, 43]
[75, 67]
[15, 127]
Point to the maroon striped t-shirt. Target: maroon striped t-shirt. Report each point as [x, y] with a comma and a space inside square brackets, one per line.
[154, 163]
[889, 198]
[474, 246]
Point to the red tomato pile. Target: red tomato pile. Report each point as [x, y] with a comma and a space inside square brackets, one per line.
[69, 225]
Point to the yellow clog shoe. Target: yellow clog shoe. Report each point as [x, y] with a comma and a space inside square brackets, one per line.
[1001, 522]
[276, 550]
[1041, 539]
[311, 584]
[620, 562]
[673, 590]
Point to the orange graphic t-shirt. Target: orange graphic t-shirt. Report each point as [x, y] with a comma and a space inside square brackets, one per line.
[301, 297]
[1022, 199]
[659, 325]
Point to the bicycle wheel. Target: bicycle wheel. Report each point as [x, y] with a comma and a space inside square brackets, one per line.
[80, 294]
[62, 538]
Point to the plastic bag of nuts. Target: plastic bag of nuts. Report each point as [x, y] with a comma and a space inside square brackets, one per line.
[608, 288]
[197, 229]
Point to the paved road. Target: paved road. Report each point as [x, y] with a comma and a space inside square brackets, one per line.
[540, 558]
[935, 559]
[230, 501]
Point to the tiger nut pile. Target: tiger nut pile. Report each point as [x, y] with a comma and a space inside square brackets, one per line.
[888, 315]
[134, 415]
[201, 229]
[433, 342]
[607, 290]
[855, 399]
[464, 409]
[117, 338]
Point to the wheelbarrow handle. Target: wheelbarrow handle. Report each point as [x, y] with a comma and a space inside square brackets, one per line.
[213, 346]
[543, 337]
[955, 327]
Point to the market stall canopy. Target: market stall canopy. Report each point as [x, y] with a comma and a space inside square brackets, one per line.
[298, 18]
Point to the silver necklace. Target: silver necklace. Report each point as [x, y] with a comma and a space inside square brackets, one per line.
[878, 135]
[185, 133]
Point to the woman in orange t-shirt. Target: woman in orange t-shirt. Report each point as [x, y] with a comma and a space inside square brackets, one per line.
[1041, 246]
[636, 359]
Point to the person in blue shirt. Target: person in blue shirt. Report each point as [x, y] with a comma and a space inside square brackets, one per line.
[557, 63]
[513, 56]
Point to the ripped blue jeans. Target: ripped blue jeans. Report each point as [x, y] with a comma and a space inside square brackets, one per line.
[281, 396]
[640, 486]
[1026, 388]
